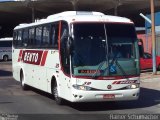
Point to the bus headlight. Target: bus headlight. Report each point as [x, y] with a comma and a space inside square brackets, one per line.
[133, 86]
[81, 87]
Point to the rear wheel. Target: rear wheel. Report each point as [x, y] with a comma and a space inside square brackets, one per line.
[5, 58]
[23, 85]
[58, 99]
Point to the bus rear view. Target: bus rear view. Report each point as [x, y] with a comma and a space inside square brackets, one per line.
[6, 49]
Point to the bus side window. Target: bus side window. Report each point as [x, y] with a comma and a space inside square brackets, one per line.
[19, 38]
[25, 37]
[6, 44]
[31, 36]
[46, 40]
[54, 36]
[38, 36]
[14, 38]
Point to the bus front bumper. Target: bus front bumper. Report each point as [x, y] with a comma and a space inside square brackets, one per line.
[97, 96]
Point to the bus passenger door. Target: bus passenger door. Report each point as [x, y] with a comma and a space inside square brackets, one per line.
[64, 59]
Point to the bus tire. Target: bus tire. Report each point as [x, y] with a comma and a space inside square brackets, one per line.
[23, 85]
[58, 99]
[5, 58]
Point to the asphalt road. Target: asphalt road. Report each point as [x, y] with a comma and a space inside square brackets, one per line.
[13, 100]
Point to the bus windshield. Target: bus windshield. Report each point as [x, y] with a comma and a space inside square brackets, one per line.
[104, 49]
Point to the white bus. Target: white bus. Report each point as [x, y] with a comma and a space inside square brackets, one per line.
[6, 48]
[70, 55]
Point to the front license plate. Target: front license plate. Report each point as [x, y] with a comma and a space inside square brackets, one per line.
[108, 96]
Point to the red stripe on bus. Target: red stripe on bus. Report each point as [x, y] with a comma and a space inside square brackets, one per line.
[44, 58]
[115, 82]
[20, 55]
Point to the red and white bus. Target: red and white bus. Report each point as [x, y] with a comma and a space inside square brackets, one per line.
[79, 57]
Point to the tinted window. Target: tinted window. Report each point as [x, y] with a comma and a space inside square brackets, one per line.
[95, 44]
[46, 37]
[120, 30]
[38, 36]
[121, 37]
[14, 38]
[31, 36]
[89, 44]
[5, 43]
[19, 38]
[25, 37]
[54, 35]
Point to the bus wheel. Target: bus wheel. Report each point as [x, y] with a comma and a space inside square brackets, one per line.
[23, 85]
[5, 58]
[58, 99]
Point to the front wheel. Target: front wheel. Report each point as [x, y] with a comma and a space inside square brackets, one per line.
[58, 99]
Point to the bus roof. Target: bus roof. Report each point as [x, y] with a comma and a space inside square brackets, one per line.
[6, 39]
[77, 16]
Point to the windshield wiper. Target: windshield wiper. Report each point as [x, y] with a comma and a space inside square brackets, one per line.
[98, 69]
[114, 60]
